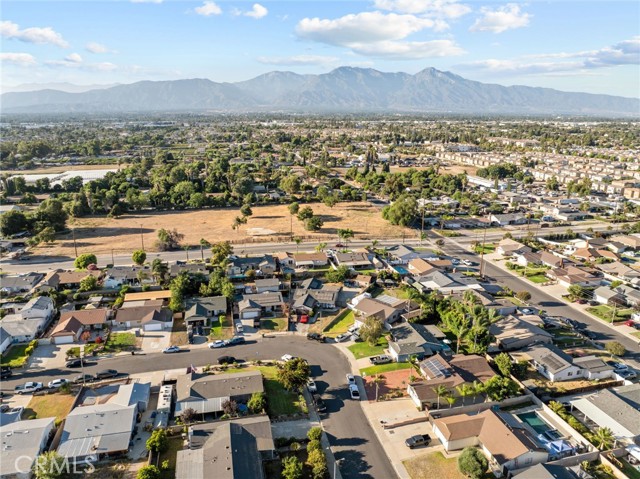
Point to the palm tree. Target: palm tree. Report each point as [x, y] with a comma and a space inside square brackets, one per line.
[603, 438]
[464, 390]
[377, 380]
[159, 270]
[321, 246]
[456, 321]
[441, 391]
[374, 244]
[451, 400]
[477, 388]
[203, 244]
[556, 407]
[297, 241]
[345, 235]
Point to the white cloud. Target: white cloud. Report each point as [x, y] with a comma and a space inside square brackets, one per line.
[20, 59]
[258, 11]
[436, 8]
[37, 35]
[74, 58]
[208, 9]
[94, 47]
[506, 17]
[626, 52]
[298, 60]
[409, 50]
[361, 28]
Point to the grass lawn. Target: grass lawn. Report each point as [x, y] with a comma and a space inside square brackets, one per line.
[605, 312]
[280, 402]
[637, 335]
[384, 368]
[175, 445]
[341, 323]
[364, 350]
[433, 465]
[220, 329]
[15, 357]
[179, 336]
[488, 249]
[399, 293]
[629, 470]
[120, 342]
[274, 324]
[538, 278]
[49, 405]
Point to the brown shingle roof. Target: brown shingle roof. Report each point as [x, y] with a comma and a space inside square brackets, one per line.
[164, 294]
[86, 316]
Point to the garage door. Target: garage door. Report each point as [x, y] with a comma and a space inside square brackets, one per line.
[153, 327]
[250, 314]
[63, 339]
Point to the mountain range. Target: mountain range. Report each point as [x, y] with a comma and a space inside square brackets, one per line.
[345, 89]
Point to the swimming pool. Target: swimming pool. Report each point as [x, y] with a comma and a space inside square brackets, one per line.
[533, 420]
[401, 269]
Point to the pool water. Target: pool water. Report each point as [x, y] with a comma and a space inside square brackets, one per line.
[401, 269]
[533, 420]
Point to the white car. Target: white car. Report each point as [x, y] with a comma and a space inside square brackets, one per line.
[239, 328]
[171, 349]
[30, 387]
[455, 261]
[311, 386]
[527, 311]
[56, 383]
[219, 343]
[466, 262]
[354, 391]
[287, 357]
[351, 380]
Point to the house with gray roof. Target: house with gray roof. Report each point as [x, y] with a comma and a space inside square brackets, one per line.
[5, 339]
[412, 339]
[253, 306]
[556, 365]
[610, 408]
[22, 443]
[205, 393]
[512, 333]
[20, 283]
[307, 300]
[203, 309]
[402, 254]
[238, 267]
[93, 432]
[547, 471]
[133, 394]
[267, 285]
[354, 260]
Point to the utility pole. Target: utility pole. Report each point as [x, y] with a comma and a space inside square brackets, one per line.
[141, 237]
[75, 246]
[484, 237]
[112, 260]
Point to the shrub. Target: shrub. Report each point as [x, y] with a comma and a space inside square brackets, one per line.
[313, 445]
[472, 463]
[314, 434]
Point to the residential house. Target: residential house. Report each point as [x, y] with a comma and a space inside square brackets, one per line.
[117, 276]
[203, 309]
[412, 339]
[354, 260]
[619, 271]
[594, 368]
[451, 373]
[506, 448]
[191, 268]
[527, 259]
[574, 275]
[267, 285]
[551, 260]
[446, 283]
[39, 308]
[555, 365]
[305, 301]
[254, 306]
[285, 260]
[22, 443]
[512, 333]
[593, 254]
[548, 471]
[310, 260]
[133, 394]
[502, 306]
[162, 295]
[385, 308]
[631, 241]
[21, 330]
[362, 281]
[631, 295]
[420, 267]
[73, 324]
[149, 318]
[508, 247]
[507, 219]
[238, 267]
[206, 393]
[92, 433]
[5, 339]
[19, 283]
[606, 295]
[226, 450]
[403, 254]
[61, 280]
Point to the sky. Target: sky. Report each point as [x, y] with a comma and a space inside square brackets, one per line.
[572, 45]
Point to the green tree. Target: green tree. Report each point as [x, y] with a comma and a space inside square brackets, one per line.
[338, 275]
[441, 391]
[246, 210]
[291, 468]
[294, 208]
[603, 438]
[576, 291]
[314, 223]
[503, 361]
[615, 348]
[371, 330]
[50, 465]
[13, 222]
[178, 289]
[159, 269]
[523, 295]
[290, 184]
[257, 403]
[464, 390]
[139, 257]
[472, 463]
[314, 434]
[168, 239]
[148, 472]
[47, 235]
[88, 283]
[499, 388]
[305, 213]
[345, 234]
[158, 442]
[294, 374]
[220, 251]
[51, 212]
[84, 260]
[401, 212]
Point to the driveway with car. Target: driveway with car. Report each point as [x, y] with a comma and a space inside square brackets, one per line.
[155, 341]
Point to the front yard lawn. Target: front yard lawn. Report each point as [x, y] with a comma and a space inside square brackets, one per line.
[538, 278]
[364, 349]
[488, 248]
[433, 465]
[340, 324]
[16, 356]
[220, 329]
[399, 293]
[384, 368]
[605, 313]
[274, 324]
[120, 342]
[49, 405]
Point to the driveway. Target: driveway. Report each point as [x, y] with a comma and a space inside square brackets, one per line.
[155, 341]
[49, 356]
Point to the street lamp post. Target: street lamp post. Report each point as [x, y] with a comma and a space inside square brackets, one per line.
[141, 237]
[335, 467]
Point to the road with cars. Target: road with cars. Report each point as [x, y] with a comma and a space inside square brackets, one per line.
[351, 436]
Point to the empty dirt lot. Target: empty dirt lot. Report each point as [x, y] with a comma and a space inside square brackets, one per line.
[100, 235]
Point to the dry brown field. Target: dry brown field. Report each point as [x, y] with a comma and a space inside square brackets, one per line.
[51, 170]
[100, 235]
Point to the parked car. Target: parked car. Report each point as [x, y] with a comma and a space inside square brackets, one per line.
[236, 340]
[77, 363]
[311, 386]
[466, 262]
[219, 343]
[627, 374]
[382, 359]
[304, 318]
[171, 349]
[84, 378]
[354, 391]
[581, 301]
[527, 311]
[227, 360]
[418, 440]
[632, 324]
[343, 337]
[618, 366]
[287, 357]
[5, 372]
[587, 334]
[106, 374]
[339, 245]
[316, 337]
[26, 388]
[593, 303]
[56, 383]
[319, 403]
[351, 379]
[239, 328]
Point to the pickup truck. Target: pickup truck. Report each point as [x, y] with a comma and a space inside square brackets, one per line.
[382, 359]
[27, 388]
[419, 440]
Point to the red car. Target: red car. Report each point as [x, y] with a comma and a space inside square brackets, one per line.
[632, 323]
[304, 319]
[339, 245]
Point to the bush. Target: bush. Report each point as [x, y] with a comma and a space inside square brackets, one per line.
[472, 463]
[313, 445]
[314, 434]
[615, 348]
[148, 472]
[84, 260]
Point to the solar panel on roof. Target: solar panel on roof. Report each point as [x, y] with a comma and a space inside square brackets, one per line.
[436, 368]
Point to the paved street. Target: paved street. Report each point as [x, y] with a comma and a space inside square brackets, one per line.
[350, 435]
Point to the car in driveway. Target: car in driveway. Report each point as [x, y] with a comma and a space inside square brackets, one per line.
[311, 386]
[239, 328]
[28, 388]
[227, 360]
[56, 383]
[354, 391]
[107, 374]
[343, 337]
[618, 366]
[381, 359]
[84, 378]
[219, 343]
[418, 440]
[319, 403]
[527, 311]
[351, 380]
[627, 374]
[171, 349]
